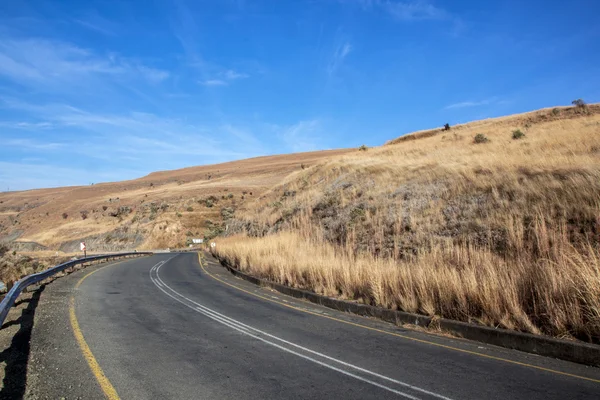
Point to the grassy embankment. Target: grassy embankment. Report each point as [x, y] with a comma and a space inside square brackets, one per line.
[504, 233]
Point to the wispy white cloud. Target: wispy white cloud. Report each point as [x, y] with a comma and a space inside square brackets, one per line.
[27, 125]
[140, 133]
[414, 10]
[224, 78]
[233, 75]
[42, 62]
[95, 22]
[339, 55]
[213, 82]
[470, 103]
[302, 136]
[402, 10]
[152, 74]
[30, 144]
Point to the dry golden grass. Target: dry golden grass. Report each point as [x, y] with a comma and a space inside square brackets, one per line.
[505, 233]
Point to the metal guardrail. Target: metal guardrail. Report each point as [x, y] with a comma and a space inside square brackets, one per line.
[19, 286]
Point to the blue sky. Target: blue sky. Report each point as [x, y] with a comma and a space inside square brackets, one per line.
[109, 90]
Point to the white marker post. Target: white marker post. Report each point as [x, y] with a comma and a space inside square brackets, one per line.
[83, 248]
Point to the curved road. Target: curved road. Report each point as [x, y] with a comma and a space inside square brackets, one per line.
[165, 327]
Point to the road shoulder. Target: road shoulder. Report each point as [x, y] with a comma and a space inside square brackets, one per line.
[41, 357]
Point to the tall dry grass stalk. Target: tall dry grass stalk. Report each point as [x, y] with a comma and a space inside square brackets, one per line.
[505, 233]
[557, 297]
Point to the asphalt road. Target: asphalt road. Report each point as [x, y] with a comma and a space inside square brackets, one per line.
[162, 327]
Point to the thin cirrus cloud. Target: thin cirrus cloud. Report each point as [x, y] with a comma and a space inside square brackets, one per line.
[214, 82]
[339, 55]
[224, 78]
[30, 144]
[136, 132]
[302, 136]
[413, 10]
[93, 21]
[470, 103]
[55, 63]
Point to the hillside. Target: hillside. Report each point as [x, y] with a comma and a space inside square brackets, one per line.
[160, 210]
[502, 231]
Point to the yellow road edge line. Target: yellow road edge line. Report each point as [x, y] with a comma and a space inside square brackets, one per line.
[522, 364]
[109, 390]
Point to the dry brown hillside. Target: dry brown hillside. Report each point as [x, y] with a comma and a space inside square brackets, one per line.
[495, 222]
[160, 210]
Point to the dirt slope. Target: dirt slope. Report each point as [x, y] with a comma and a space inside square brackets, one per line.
[159, 210]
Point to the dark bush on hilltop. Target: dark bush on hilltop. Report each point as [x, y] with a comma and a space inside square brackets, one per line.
[446, 126]
[579, 103]
[480, 138]
[363, 148]
[518, 134]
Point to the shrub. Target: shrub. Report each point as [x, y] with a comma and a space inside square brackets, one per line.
[121, 211]
[555, 111]
[480, 138]
[518, 134]
[178, 215]
[363, 148]
[3, 249]
[578, 103]
[446, 126]
[190, 209]
[84, 214]
[230, 196]
[104, 208]
[227, 213]
[65, 215]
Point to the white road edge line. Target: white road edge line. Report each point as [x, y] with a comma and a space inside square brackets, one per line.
[241, 330]
[246, 329]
